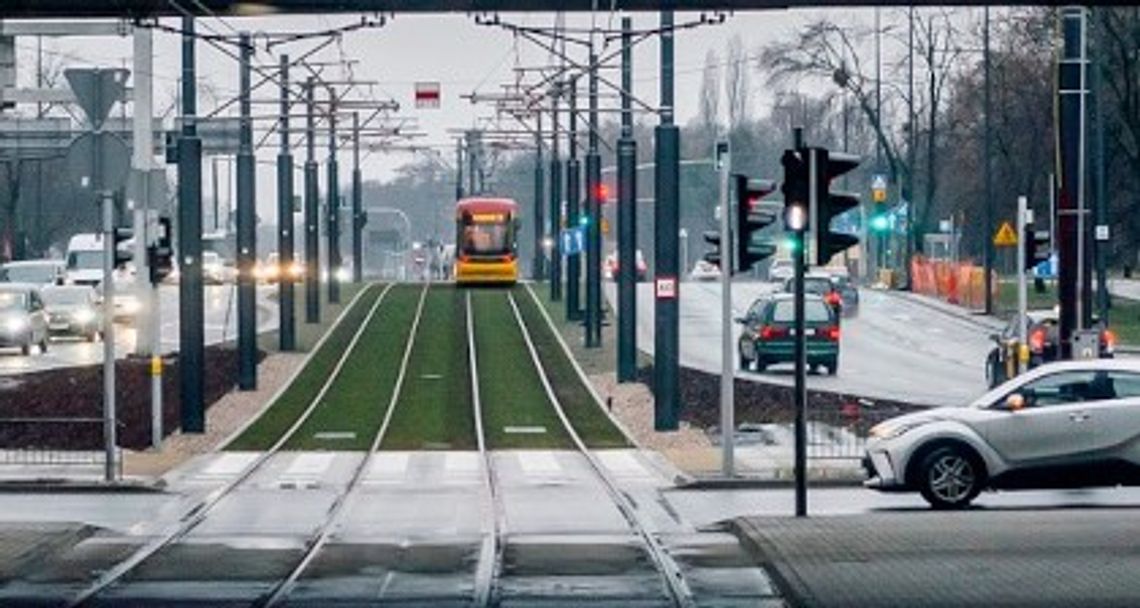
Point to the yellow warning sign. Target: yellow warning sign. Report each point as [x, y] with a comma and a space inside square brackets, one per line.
[1006, 236]
[605, 226]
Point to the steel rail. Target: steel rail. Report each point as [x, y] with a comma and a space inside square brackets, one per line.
[679, 590]
[491, 554]
[196, 514]
[336, 512]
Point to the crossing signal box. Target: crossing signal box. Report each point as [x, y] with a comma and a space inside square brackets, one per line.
[122, 255]
[825, 166]
[751, 218]
[1036, 244]
[160, 255]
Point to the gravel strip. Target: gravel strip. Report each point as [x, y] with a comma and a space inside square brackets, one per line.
[222, 419]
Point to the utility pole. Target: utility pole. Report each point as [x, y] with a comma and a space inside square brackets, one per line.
[989, 192]
[246, 229]
[286, 299]
[627, 217]
[594, 211]
[666, 219]
[191, 339]
[333, 206]
[358, 217]
[312, 212]
[573, 200]
[539, 270]
[555, 203]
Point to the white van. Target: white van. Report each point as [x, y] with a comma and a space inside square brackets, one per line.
[85, 260]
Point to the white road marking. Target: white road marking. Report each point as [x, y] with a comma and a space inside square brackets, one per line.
[622, 463]
[388, 468]
[524, 430]
[230, 463]
[334, 435]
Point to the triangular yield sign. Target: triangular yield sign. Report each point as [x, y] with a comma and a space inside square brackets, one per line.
[1006, 236]
[96, 90]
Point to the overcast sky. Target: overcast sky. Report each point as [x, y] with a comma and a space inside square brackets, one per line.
[451, 49]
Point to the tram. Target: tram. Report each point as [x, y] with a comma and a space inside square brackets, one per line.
[486, 242]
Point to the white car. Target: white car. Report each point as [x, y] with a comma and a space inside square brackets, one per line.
[1068, 424]
[704, 271]
[35, 272]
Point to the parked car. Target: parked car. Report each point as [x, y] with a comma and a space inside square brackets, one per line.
[610, 268]
[35, 272]
[1067, 424]
[1043, 336]
[704, 271]
[848, 294]
[780, 270]
[73, 310]
[821, 285]
[768, 338]
[23, 322]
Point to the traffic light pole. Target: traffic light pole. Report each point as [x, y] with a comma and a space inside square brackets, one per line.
[246, 230]
[594, 211]
[191, 339]
[285, 300]
[666, 219]
[800, 350]
[627, 217]
[727, 362]
[108, 209]
[312, 213]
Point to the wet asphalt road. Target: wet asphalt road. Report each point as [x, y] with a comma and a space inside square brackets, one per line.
[220, 324]
[891, 349]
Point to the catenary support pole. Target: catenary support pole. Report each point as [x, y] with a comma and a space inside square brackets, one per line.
[594, 211]
[573, 202]
[191, 338]
[312, 211]
[246, 228]
[1070, 133]
[358, 217]
[287, 333]
[987, 111]
[627, 217]
[666, 367]
[538, 271]
[555, 209]
[332, 206]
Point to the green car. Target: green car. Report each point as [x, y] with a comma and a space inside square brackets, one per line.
[768, 336]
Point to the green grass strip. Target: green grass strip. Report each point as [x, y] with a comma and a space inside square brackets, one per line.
[511, 393]
[434, 408]
[284, 412]
[591, 423]
[351, 412]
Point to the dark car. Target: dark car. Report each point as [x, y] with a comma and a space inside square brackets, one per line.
[23, 323]
[821, 285]
[848, 294]
[73, 310]
[768, 336]
[1043, 337]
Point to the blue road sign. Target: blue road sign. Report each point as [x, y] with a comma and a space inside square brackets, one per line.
[573, 241]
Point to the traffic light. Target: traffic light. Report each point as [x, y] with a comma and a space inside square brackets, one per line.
[751, 217]
[160, 255]
[795, 189]
[1036, 244]
[879, 222]
[825, 167]
[712, 237]
[122, 255]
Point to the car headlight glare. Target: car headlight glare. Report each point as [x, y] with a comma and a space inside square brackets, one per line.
[16, 324]
[888, 430]
[85, 315]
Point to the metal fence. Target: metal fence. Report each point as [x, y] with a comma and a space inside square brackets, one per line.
[841, 432]
[31, 446]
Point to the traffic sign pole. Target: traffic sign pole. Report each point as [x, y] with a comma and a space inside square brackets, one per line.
[727, 362]
[109, 438]
[1021, 295]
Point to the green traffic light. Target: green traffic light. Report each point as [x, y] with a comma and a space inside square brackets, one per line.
[584, 220]
[879, 223]
[791, 244]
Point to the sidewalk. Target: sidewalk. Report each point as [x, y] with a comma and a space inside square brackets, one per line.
[1069, 557]
[982, 320]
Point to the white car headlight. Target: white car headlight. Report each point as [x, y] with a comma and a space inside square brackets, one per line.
[343, 275]
[84, 315]
[890, 430]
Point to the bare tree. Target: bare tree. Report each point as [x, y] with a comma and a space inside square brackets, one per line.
[736, 83]
[710, 93]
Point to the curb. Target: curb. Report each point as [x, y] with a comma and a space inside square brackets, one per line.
[975, 318]
[778, 478]
[71, 486]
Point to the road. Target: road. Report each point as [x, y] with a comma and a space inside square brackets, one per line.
[893, 348]
[220, 315]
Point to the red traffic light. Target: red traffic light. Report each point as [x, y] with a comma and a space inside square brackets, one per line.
[602, 192]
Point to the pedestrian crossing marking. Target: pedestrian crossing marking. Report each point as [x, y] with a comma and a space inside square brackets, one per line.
[622, 464]
[461, 462]
[230, 464]
[538, 462]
